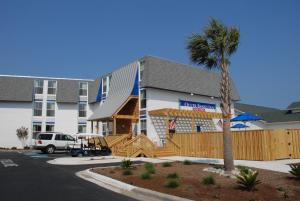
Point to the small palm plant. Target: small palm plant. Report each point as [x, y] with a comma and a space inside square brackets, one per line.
[126, 164]
[295, 170]
[247, 179]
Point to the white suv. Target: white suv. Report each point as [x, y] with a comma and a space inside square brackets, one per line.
[48, 142]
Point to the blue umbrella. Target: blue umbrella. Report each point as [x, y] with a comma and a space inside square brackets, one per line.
[245, 117]
[239, 126]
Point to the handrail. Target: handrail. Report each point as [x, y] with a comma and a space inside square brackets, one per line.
[176, 145]
[115, 141]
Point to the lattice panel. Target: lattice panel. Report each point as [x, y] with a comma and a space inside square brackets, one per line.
[206, 124]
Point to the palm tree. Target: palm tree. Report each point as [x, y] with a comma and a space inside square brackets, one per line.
[213, 49]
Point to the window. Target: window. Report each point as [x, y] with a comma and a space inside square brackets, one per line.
[144, 126]
[82, 109]
[50, 127]
[141, 70]
[50, 109]
[198, 128]
[59, 137]
[36, 128]
[81, 128]
[38, 86]
[37, 108]
[45, 137]
[52, 87]
[83, 88]
[106, 128]
[143, 99]
[104, 87]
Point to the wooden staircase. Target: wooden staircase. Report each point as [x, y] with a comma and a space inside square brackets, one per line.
[141, 145]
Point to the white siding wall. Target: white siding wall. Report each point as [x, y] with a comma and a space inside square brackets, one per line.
[158, 99]
[13, 115]
[66, 118]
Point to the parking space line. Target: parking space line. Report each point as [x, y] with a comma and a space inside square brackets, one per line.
[8, 163]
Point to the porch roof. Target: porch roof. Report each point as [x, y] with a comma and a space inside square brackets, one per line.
[185, 113]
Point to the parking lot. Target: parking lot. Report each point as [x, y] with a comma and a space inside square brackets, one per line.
[28, 176]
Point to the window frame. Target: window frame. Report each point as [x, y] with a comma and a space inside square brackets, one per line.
[35, 109]
[84, 89]
[54, 87]
[52, 125]
[48, 110]
[37, 89]
[82, 111]
[81, 125]
[143, 99]
[143, 126]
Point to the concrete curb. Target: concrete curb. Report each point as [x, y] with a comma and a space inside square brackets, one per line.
[126, 189]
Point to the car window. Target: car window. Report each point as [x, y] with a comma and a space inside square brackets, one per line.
[45, 137]
[58, 137]
[69, 138]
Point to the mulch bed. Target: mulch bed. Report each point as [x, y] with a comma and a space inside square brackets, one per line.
[225, 189]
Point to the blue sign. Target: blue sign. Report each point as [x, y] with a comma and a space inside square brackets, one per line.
[196, 105]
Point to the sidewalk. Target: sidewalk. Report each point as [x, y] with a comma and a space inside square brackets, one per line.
[277, 165]
[100, 160]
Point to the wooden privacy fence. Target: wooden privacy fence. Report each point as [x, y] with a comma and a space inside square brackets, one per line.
[246, 145]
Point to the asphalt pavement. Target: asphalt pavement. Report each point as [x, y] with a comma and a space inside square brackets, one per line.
[28, 177]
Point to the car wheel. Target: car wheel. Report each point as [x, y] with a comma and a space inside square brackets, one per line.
[80, 155]
[50, 149]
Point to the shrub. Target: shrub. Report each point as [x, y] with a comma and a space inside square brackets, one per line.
[14, 148]
[247, 179]
[146, 175]
[209, 180]
[187, 162]
[172, 176]
[127, 172]
[150, 168]
[172, 184]
[166, 164]
[295, 170]
[126, 164]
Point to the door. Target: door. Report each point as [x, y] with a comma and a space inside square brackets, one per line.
[60, 142]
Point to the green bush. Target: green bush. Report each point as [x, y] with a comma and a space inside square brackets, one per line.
[146, 175]
[126, 164]
[166, 164]
[295, 170]
[172, 176]
[150, 168]
[247, 179]
[187, 162]
[208, 180]
[172, 184]
[127, 172]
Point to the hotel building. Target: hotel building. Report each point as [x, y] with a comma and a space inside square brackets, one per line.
[145, 96]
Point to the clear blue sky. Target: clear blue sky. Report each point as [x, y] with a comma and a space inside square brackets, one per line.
[84, 39]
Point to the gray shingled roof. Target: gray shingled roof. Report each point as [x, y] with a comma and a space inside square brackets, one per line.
[163, 74]
[121, 85]
[294, 105]
[268, 114]
[14, 88]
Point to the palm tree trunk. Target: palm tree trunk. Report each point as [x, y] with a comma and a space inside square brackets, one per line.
[226, 114]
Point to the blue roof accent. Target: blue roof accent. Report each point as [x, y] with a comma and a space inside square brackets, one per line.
[135, 90]
[99, 95]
